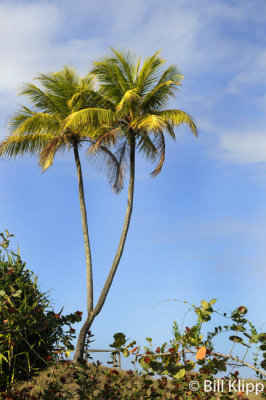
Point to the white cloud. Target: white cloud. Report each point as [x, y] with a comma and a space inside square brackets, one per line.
[30, 44]
[252, 71]
[243, 147]
[25, 32]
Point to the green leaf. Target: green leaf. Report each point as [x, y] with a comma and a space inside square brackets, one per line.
[236, 339]
[263, 364]
[2, 292]
[213, 301]
[254, 338]
[205, 304]
[17, 293]
[221, 365]
[70, 347]
[238, 328]
[126, 353]
[142, 363]
[165, 372]
[120, 340]
[180, 374]
[262, 337]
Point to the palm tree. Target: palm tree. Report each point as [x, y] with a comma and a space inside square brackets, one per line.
[42, 130]
[131, 117]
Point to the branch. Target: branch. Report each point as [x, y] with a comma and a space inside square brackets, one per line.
[228, 357]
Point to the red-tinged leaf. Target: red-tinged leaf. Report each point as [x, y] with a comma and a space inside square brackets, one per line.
[133, 350]
[171, 350]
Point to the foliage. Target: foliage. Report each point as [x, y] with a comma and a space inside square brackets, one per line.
[172, 371]
[32, 334]
[192, 353]
[42, 129]
[130, 109]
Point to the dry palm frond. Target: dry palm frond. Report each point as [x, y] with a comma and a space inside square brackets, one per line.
[108, 139]
[47, 154]
[104, 160]
[160, 151]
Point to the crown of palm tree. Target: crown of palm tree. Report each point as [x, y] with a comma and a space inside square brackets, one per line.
[132, 99]
[42, 129]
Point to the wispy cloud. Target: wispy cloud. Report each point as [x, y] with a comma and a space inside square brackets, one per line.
[30, 42]
[243, 147]
[26, 31]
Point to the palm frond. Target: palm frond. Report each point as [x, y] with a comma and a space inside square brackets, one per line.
[171, 73]
[47, 154]
[160, 152]
[26, 121]
[159, 95]
[146, 146]
[149, 123]
[126, 64]
[61, 87]
[177, 117]
[149, 73]
[104, 160]
[128, 102]
[95, 116]
[62, 84]
[29, 144]
[122, 155]
[113, 84]
[108, 139]
[41, 100]
[136, 69]
[86, 98]
[170, 129]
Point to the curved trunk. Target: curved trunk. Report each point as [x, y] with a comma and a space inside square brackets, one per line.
[82, 336]
[79, 353]
[123, 237]
[80, 347]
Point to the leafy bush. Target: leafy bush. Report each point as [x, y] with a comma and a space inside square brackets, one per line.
[175, 370]
[192, 355]
[32, 334]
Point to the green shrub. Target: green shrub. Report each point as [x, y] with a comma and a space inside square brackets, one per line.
[32, 335]
[190, 365]
[176, 370]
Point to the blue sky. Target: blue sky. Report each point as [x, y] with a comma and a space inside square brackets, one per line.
[199, 229]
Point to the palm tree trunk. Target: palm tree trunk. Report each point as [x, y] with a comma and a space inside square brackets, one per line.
[79, 353]
[84, 330]
[123, 237]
